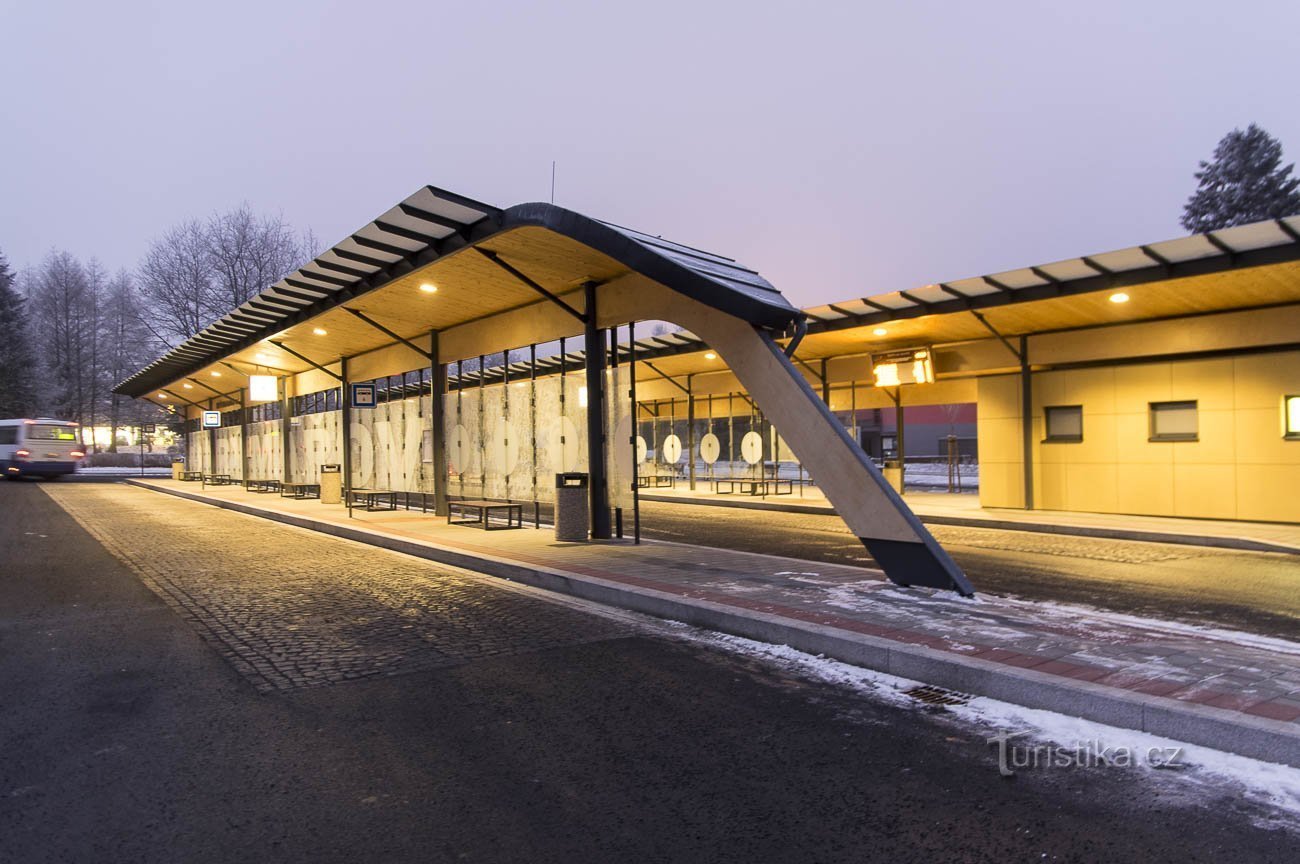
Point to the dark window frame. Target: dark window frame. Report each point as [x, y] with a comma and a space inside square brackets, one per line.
[1154, 408]
[1048, 437]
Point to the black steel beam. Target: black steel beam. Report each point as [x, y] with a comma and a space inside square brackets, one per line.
[407, 233]
[349, 255]
[987, 326]
[665, 376]
[310, 362]
[381, 246]
[554, 298]
[339, 268]
[1100, 268]
[389, 333]
[433, 218]
[322, 277]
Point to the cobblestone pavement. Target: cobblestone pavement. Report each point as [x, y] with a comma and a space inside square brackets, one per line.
[291, 608]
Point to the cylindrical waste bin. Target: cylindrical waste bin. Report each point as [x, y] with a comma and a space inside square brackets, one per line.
[178, 467]
[893, 472]
[571, 507]
[331, 484]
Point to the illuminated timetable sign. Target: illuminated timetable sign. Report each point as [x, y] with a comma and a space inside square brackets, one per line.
[905, 366]
[262, 388]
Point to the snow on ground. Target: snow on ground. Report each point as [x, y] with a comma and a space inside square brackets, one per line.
[992, 618]
[1188, 774]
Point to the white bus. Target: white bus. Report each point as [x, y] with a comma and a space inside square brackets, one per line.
[39, 448]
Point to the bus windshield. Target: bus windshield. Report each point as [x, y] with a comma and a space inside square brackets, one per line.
[42, 432]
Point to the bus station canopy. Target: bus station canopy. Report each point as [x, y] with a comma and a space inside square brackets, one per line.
[482, 260]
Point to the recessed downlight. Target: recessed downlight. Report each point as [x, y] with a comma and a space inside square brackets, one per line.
[429, 288]
[1119, 297]
[320, 331]
[880, 331]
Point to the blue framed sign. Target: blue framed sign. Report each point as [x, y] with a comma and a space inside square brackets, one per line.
[363, 395]
[211, 419]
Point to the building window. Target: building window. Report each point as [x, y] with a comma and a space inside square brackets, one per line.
[1173, 421]
[1291, 417]
[1063, 423]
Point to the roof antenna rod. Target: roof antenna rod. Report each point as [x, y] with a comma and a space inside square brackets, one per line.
[552, 181]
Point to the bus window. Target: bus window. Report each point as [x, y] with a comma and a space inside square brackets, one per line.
[40, 432]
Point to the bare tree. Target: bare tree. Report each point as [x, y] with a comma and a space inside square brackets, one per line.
[248, 253]
[63, 303]
[199, 271]
[176, 283]
[126, 347]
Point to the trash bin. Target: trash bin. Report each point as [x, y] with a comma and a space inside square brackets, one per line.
[178, 467]
[331, 484]
[571, 507]
[893, 472]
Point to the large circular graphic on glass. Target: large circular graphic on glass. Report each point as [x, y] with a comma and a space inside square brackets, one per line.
[672, 450]
[710, 448]
[751, 448]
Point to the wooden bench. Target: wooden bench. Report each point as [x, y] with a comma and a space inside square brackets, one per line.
[372, 499]
[263, 486]
[189, 476]
[658, 481]
[299, 490]
[217, 480]
[479, 514]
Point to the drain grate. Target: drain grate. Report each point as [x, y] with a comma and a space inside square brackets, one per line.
[937, 696]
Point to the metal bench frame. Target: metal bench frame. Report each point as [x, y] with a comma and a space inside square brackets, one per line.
[483, 512]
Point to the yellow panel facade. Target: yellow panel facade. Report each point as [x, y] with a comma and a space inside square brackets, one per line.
[1239, 466]
[998, 429]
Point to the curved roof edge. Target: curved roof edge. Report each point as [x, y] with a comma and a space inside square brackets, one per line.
[431, 224]
[711, 279]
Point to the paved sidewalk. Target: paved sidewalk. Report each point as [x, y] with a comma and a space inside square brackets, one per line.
[941, 508]
[1223, 689]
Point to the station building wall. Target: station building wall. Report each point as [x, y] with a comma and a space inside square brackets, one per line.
[1239, 467]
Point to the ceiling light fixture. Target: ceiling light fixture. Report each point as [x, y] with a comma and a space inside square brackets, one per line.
[1119, 297]
[320, 331]
[429, 288]
[880, 331]
[215, 374]
[709, 355]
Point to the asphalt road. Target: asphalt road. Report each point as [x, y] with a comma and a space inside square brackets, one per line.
[1257, 592]
[135, 727]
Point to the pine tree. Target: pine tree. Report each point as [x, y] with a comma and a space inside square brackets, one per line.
[17, 389]
[1245, 183]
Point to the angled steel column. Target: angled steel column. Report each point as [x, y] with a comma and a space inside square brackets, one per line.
[437, 390]
[595, 361]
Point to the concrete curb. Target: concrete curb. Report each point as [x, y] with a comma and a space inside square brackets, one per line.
[1231, 731]
[1241, 544]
